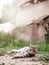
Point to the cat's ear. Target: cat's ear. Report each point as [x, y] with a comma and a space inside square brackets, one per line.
[30, 45]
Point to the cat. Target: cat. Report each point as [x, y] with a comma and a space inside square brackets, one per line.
[24, 52]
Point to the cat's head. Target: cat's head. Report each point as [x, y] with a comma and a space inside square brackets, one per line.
[33, 49]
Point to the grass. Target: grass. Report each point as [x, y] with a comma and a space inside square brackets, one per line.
[43, 47]
[45, 57]
[8, 42]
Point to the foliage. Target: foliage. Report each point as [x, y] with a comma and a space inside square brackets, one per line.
[5, 39]
[45, 57]
[2, 51]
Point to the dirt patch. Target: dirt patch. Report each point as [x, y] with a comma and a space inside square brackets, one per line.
[7, 60]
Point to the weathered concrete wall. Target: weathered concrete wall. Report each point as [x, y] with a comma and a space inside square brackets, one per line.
[29, 12]
[32, 32]
[41, 33]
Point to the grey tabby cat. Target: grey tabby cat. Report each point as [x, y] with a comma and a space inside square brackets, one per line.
[24, 52]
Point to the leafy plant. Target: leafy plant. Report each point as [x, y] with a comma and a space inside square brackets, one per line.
[45, 57]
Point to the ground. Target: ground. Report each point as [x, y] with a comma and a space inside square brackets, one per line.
[7, 60]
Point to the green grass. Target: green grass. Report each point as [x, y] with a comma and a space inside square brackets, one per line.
[43, 47]
[8, 42]
[45, 57]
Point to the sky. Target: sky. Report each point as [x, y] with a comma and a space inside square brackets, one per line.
[6, 27]
[2, 3]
